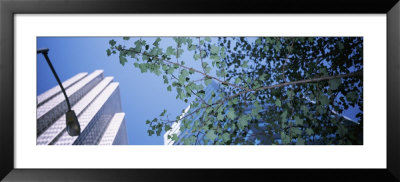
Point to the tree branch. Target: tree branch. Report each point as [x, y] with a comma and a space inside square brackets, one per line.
[194, 70]
[299, 82]
[277, 86]
[193, 92]
[208, 76]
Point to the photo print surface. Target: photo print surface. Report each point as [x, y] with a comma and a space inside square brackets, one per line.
[200, 90]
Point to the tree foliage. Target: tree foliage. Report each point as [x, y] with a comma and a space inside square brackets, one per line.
[271, 90]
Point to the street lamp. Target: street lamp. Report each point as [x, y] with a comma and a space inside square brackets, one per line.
[73, 127]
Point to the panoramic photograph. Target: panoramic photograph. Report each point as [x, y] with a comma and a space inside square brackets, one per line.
[199, 90]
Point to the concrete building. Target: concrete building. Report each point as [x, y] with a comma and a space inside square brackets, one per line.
[97, 103]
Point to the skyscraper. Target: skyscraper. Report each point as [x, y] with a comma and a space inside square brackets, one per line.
[97, 103]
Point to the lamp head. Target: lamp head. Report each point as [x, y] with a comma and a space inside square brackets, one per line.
[42, 51]
[73, 127]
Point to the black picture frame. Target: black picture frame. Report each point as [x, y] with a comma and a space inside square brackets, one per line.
[9, 8]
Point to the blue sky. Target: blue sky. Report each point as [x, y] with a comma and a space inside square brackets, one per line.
[143, 96]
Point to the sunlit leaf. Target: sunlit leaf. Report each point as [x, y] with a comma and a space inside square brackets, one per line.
[214, 49]
[226, 137]
[231, 114]
[122, 60]
[211, 135]
[278, 103]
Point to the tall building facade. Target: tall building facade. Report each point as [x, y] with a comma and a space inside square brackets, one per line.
[97, 103]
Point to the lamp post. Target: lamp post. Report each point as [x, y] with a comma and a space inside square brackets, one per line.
[72, 123]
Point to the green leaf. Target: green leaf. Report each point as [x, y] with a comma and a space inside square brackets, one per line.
[309, 131]
[208, 39]
[186, 141]
[262, 77]
[159, 131]
[285, 138]
[277, 48]
[164, 67]
[284, 116]
[304, 109]
[300, 141]
[191, 71]
[235, 101]
[180, 52]
[321, 109]
[204, 64]
[196, 57]
[112, 42]
[226, 137]
[170, 70]
[244, 65]
[341, 46]
[170, 51]
[278, 103]
[143, 68]
[207, 81]
[211, 135]
[298, 120]
[290, 93]
[214, 49]
[184, 72]
[108, 52]
[175, 137]
[143, 42]
[202, 53]
[324, 100]
[223, 55]
[334, 83]
[351, 96]
[192, 47]
[125, 38]
[207, 69]
[243, 121]
[258, 41]
[167, 127]
[231, 114]
[145, 58]
[323, 71]
[147, 121]
[295, 131]
[122, 60]
[163, 113]
[220, 117]
[138, 43]
[169, 88]
[156, 43]
[237, 80]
